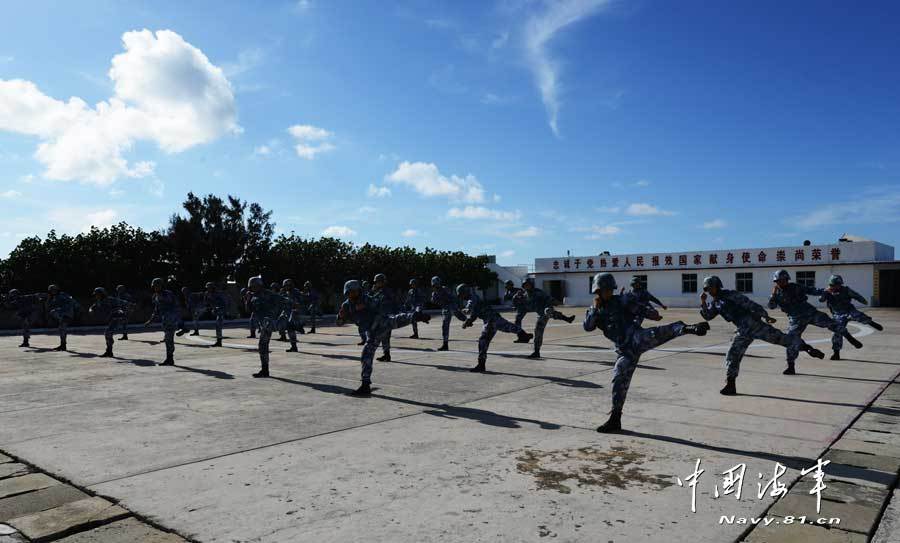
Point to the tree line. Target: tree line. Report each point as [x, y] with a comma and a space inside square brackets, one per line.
[225, 241]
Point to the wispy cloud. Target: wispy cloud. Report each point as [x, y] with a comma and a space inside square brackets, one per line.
[540, 29]
[310, 140]
[482, 213]
[410, 233]
[598, 231]
[530, 232]
[872, 205]
[715, 224]
[645, 210]
[378, 192]
[338, 231]
[426, 179]
[246, 60]
[10, 194]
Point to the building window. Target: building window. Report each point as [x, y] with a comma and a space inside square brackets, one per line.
[806, 279]
[743, 282]
[642, 279]
[688, 282]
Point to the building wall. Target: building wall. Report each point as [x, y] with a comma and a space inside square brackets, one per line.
[666, 284]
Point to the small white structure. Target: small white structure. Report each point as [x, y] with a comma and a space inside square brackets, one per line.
[676, 278]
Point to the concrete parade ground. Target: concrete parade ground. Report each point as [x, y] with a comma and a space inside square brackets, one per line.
[204, 452]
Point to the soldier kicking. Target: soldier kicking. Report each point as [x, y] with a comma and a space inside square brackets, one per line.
[292, 312]
[791, 298]
[267, 306]
[538, 301]
[387, 301]
[61, 308]
[122, 294]
[168, 311]
[444, 298]
[414, 302]
[115, 310]
[642, 295]
[516, 297]
[216, 303]
[24, 306]
[246, 295]
[477, 308]
[839, 299]
[368, 312]
[615, 315]
[748, 317]
[312, 301]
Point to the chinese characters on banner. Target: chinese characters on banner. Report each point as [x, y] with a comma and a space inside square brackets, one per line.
[802, 255]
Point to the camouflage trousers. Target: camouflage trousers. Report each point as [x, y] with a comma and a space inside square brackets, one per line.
[195, 315]
[254, 322]
[843, 318]
[520, 316]
[745, 335]
[265, 328]
[26, 328]
[124, 324]
[219, 314]
[541, 325]
[114, 324]
[169, 327]
[63, 324]
[797, 325]
[629, 354]
[489, 330]
[447, 317]
[377, 335]
[415, 325]
[294, 323]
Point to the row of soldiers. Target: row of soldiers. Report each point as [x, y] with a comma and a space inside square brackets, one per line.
[377, 311]
[619, 318]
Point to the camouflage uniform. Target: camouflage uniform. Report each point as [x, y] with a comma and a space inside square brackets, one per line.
[516, 296]
[61, 308]
[617, 320]
[840, 303]
[167, 309]
[122, 294]
[246, 296]
[387, 302]
[196, 304]
[24, 306]
[414, 302]
[792, 300]
[368, 312]
[538, 301]
[644, 297]
[216, 303]
[292, 313]
[268, 307]
[115, 310]
[747, 316]
[444, 298]
[312, 306]
[477, 308]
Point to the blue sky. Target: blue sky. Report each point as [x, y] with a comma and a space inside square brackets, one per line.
[518, 128]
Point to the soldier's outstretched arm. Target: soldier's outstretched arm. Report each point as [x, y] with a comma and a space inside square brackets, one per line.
[655, 300]
[857, 296]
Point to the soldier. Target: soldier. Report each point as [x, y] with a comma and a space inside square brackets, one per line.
[368, 313]
[748, 317]
[516, 297]
[168, 311]
[414, 302]
[194, 301]
[614, 315]
[216, 303]
[122, 294]
[292, 311]
[246, 295]
[839, 299]
[538, 301]
[115, 310]
[444, 298]
[267, 305]
[61, 308]
[642, 295]
[24, 305]
[281, 322]
[791, 298]
[476, 308]
[386, 299]
[312, 300]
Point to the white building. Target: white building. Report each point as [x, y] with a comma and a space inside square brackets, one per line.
[676, 278]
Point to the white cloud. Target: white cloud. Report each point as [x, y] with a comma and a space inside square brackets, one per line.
[78, 220]
[642, 183]
[310, 140]
[480, 212]
[427, 180]
[166, 91]
[508, 254]
[715, 224]
[539, 31]
[410, 233]
[640, 209]
[247, 60]
[339, 232]
[262, 150]
[9, 194]
[530, 232]
[378, 192]
[872, 205]
[599, 232]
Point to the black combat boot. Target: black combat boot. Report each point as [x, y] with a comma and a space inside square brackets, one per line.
[195, 333]
[293, 349]
[535, 355]
[252, 335]
[813, 352]
[361, 342]
[124, 337]
[479, 368]
[282, 337]
[167, 362]
[523, 337]
[444, 347]
[25, 343]
[836, 355]
[301, 331]
[789, 370]
[852, 340]
[261, 373]
[364, 391]
[384, 358]
[570, 319]
[414, 336]
[612, 425]
[218, 343]
[312, 330]
[730, 388]
[423, 317]
[182, 332]
[699, 329]
[62, 347]
[107, 354]
[876, 326]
